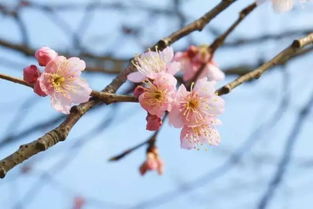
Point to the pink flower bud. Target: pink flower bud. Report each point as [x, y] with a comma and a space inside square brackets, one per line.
[138, 91]
[44, 55]
[153, 122]
[31, 74]
[79, 202]
[38, 90]
[152, 162]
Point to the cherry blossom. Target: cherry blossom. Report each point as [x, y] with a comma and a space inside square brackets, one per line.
[61, 81]
[198, 58]
[158, 94]
[193, 137]
[151, 63]
[197, 106]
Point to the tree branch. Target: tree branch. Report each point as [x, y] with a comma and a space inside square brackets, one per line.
[60, 133]
[283, 56]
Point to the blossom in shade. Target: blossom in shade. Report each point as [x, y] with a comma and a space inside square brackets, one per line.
[61, 81]
[158, 94]
[282, 5]
[44, 55]
[153, 122]
[151, 63]
[152, 162]
[38, 90]
[193, 137]
[138, 91]
[195, 59]
[197, 106]
[31, 74]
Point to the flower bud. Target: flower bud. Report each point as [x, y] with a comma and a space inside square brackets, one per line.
[44, 55]
[153, 122]
[138, 91]
[153, 162]
[31, 74]
[38, 90]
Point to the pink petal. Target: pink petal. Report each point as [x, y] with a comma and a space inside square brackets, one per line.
[136, 77]
[214, 73]
[167, 54]
[214, 138]
[173, 68]
[55, 64]
[185, 143]
[61, 103]
[75, 65]
[80, 92]
[204, 87]
[216, 105]
[175, 118]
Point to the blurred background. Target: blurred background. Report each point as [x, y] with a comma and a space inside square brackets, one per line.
[265, 159]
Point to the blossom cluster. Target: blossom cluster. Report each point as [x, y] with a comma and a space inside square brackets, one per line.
[282, 5]
[195, 109]
[60, 79]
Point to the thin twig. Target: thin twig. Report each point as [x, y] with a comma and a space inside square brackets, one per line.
[15, 80]
[149, 141]
[283, 56]
[105, 97]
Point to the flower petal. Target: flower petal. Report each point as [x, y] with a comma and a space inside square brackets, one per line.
[136, 77]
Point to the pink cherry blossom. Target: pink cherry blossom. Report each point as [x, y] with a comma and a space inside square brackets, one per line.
[153, 122]
[194, 59]
[61, 81]
[158, 94]
[44, 55]
[197, 106]
[151, 63]
[195, 136]
[31, 74]
[152, 162]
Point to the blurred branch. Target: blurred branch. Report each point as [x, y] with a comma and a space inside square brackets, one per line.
[266, 37]
[151, 140]
[286, 157]
[242, 15]
[219, 41]
[197, 25]
[243, 69]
